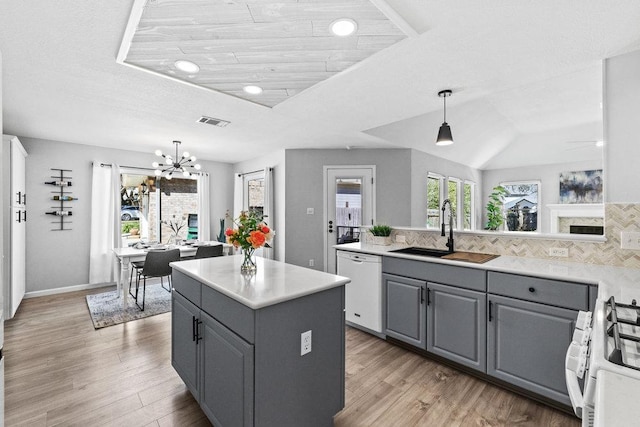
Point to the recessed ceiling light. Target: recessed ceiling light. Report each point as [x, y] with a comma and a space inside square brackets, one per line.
[186, 66]
[252, 89]
[343, 27]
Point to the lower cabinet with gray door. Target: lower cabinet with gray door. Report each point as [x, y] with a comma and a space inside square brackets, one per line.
[530, 326]
[404, 309]
[456, 324]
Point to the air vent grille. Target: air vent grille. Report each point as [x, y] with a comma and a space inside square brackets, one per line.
[215, 122]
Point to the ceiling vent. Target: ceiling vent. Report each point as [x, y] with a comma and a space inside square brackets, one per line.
[211, 121]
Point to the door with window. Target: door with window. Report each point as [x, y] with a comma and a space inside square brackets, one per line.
[349, 204]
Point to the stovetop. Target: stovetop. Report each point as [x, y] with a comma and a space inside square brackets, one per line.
[623, 329]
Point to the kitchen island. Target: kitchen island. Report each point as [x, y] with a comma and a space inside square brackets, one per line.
[259, 350]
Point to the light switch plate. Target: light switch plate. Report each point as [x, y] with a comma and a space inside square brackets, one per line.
[310, 211]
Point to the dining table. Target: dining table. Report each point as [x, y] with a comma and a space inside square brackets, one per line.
[126, 256]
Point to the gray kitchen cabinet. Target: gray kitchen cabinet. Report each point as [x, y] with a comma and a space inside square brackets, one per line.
[530, 326]
[456, 324]
[226, 363]
[184, 344]
[404, 309]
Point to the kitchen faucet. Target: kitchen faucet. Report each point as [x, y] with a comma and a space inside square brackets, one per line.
[450, 239]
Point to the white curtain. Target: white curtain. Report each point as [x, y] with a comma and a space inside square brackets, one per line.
[204, 208]
[269, 210]
[238, 193]
[105, 223]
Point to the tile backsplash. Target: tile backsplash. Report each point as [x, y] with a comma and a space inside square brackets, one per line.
[618, 217]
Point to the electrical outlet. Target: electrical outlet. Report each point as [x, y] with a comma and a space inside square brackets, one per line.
[312, 263]
[561, 252]
[401, 238]
[310, 211]
[305, 343]
[629, 240]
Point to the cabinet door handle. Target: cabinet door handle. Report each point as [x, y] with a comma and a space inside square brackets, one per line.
[19, 194]
[24, 216]
[24, 199]
[193, 328]
[19, 220]
[428, 296]
[198, 336]
[421, 295]
[490, 311]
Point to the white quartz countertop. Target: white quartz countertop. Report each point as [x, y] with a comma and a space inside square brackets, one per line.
[274, 281]
[611, 280]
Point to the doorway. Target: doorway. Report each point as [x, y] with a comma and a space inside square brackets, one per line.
[349, 203]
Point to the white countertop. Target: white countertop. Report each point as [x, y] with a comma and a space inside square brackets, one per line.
[274, 281]
[617, 398]
[612, 280]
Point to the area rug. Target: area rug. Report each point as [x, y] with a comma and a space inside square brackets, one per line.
[106, 308]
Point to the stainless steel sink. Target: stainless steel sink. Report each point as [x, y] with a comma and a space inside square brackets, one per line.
[416, 250]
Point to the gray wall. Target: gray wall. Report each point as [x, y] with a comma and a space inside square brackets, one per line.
[304, 189]
[57, 259]
[549, 175]
[276, 160]
[421, 164]
[622, 127]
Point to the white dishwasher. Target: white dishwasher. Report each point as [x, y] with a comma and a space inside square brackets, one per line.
[363, 296]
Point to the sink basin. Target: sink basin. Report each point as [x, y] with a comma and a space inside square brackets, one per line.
[415, 250]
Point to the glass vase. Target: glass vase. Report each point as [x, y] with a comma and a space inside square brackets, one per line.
[248, 260]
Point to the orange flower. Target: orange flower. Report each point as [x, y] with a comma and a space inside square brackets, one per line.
[229, 232]
[256, 238]
[265, 229]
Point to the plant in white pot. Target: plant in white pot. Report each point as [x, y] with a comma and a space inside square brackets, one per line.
[381, 234]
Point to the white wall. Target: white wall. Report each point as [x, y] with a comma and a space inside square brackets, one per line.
[622, 128]
[276, 160]
[304, 189]
[57, 259]
[548, 175]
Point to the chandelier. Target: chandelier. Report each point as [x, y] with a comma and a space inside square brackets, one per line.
[178, 164]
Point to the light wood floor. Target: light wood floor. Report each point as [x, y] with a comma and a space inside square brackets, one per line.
[60, 371]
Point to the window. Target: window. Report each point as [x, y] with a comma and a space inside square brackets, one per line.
[453, 191]
[468, 206]
[254, 192]
[434, 198]
[521, 205]
[153, 209]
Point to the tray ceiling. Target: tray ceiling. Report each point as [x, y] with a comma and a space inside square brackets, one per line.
[284, 47]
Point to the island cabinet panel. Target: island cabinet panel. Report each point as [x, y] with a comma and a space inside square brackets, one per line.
[184, 351]
[527, 344]
[188, 287]
[457, 323]
[226, 364]
[404, 309]
[244, 366]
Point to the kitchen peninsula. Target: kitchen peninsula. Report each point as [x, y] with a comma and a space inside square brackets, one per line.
[265, 349]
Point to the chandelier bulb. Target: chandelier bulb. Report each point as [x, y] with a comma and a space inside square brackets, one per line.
[185, 154]
[157, 172]
[158, 153]
[197, 166]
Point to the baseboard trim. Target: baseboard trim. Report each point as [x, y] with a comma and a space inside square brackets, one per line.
[66, 289]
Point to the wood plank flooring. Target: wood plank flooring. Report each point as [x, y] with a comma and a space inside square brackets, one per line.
[59, 371]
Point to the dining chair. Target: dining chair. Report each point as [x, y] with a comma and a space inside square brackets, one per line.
[207, 251]
[156, 264]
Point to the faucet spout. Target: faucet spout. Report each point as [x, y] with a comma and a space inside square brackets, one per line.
[450, 245]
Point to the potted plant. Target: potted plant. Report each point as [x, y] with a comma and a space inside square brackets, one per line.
[381, 234]
[495, 216]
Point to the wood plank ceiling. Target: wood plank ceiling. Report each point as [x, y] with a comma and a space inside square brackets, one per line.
[283, 46]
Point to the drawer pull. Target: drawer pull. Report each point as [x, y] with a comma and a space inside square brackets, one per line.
[356, 314]
[532, 289]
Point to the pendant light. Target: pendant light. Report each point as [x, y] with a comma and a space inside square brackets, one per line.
[444, 134]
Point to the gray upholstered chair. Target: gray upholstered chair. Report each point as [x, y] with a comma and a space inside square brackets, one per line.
[156, 264]
[207, 251]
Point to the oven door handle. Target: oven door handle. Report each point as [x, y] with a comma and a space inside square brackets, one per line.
[575, 393]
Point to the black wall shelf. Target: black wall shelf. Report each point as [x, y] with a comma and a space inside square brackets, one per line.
[62, 195]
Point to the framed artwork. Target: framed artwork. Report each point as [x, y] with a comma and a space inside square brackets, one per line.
[581, 187]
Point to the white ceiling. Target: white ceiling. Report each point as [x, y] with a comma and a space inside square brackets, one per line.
[506, 61]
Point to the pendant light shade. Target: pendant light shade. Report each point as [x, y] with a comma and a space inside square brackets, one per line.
[444, 134]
